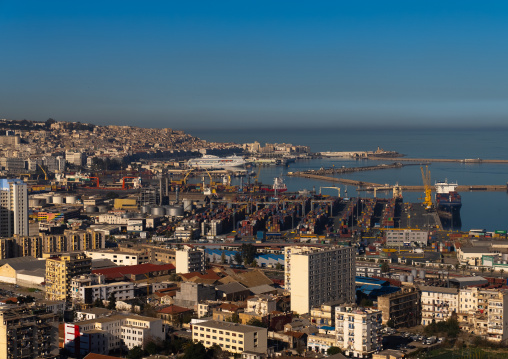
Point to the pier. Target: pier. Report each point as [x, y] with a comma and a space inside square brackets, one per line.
[370, 186]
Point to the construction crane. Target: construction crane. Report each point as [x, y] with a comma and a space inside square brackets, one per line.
[45, 174]
[428, 189]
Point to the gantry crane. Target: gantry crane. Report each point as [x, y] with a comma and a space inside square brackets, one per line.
[428, 189]
[335, 188]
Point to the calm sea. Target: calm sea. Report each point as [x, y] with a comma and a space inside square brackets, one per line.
[479, 209]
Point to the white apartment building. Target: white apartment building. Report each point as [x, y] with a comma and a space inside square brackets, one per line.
[112, 219]
[483, 312]
[13, 208]
[120, 258]
[75, 158]
[261, 305]
[407, 237]
[358, 330]
[109, 333]
[121, 291]
[438, 303]
[84, 280]
[317, 275]
[231, 337]
[189, 260]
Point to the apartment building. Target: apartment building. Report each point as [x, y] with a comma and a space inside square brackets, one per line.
[28, 332]
[358, 330]
[73, 240]
[119, 257]
[103, 334]
[438, 304]
[402, 308]
[59, 272]
[317, 275]
[13, 208]
[483, 312]
[191, 294]
[75, 158]
[121, 291]
[324, 315]
[261, 305]
[232, 337]
[407, 237]
[189, 260]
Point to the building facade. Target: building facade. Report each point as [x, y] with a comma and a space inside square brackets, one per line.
[189, 260]
[59, 272]
[438, 304]
[317, 275]
[13, 208]
[358, 330]
[402, 308]
[232, 337]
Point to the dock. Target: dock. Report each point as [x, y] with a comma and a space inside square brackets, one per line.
[370, 186]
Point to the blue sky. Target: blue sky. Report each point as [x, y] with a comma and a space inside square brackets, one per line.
[224, 64]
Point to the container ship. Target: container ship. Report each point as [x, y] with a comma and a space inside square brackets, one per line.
[448, 204]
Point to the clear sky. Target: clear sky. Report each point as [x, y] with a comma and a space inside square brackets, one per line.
[222, 64]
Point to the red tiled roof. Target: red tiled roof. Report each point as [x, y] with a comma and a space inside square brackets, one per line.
[12, 299]
[164, 294]
[229, 307]
[120, 272]
[174, 309]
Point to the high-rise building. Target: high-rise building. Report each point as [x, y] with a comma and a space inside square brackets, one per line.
[358, 330]
[59, 272]
[28, 332]
[315, 276]
[13, 208]
[189, 260]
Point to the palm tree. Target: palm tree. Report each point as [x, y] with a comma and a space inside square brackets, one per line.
[501, 271]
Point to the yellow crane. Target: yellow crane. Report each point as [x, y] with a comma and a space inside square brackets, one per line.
[426, 184]
[45, 174]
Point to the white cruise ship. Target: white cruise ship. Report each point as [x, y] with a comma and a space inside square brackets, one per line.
[214, 162]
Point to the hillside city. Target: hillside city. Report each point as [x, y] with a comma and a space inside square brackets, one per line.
[112, 245]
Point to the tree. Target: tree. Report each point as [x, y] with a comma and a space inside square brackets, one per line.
[112, 301]
[195, 351]
[385, 267]
[254, 263]
[501, 271]
[98, 303]
[136, 353]
[482, 269]
[223, 257]
[366, 303]
[334, 350]
[390, 323]
[278, 266]
[248, 252]
[238, 258]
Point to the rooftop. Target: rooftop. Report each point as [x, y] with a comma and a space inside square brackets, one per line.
[234, 327]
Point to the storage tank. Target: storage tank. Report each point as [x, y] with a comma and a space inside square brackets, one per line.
[36, 202]
[414, 273]
[145, 209]
[128, 215]
[158, 211]
[410, 278]
[102, 208]
[422, 274]
[71, 199]
[187, 205]
[175, 211]
[403, 278]
[92, 209]
[58, 200]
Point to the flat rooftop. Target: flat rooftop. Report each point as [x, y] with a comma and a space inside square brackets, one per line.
[234, 327]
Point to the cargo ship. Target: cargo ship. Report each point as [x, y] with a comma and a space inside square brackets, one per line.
[448, 204]
[278, 186]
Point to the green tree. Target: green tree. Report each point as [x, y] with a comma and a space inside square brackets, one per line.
[223, 257]
[385, 267]
[195, 351]
[334, 350]
[238, 258]
[136, 353]
[248, 252]
[254, 263]
[98, 303]
[112, 301]
[152, 347]
[390, 323]
[278, 266]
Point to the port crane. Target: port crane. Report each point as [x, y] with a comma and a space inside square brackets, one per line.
[428, 189]
[336, 188]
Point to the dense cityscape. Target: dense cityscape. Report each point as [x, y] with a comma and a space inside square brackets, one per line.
[120, 241]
